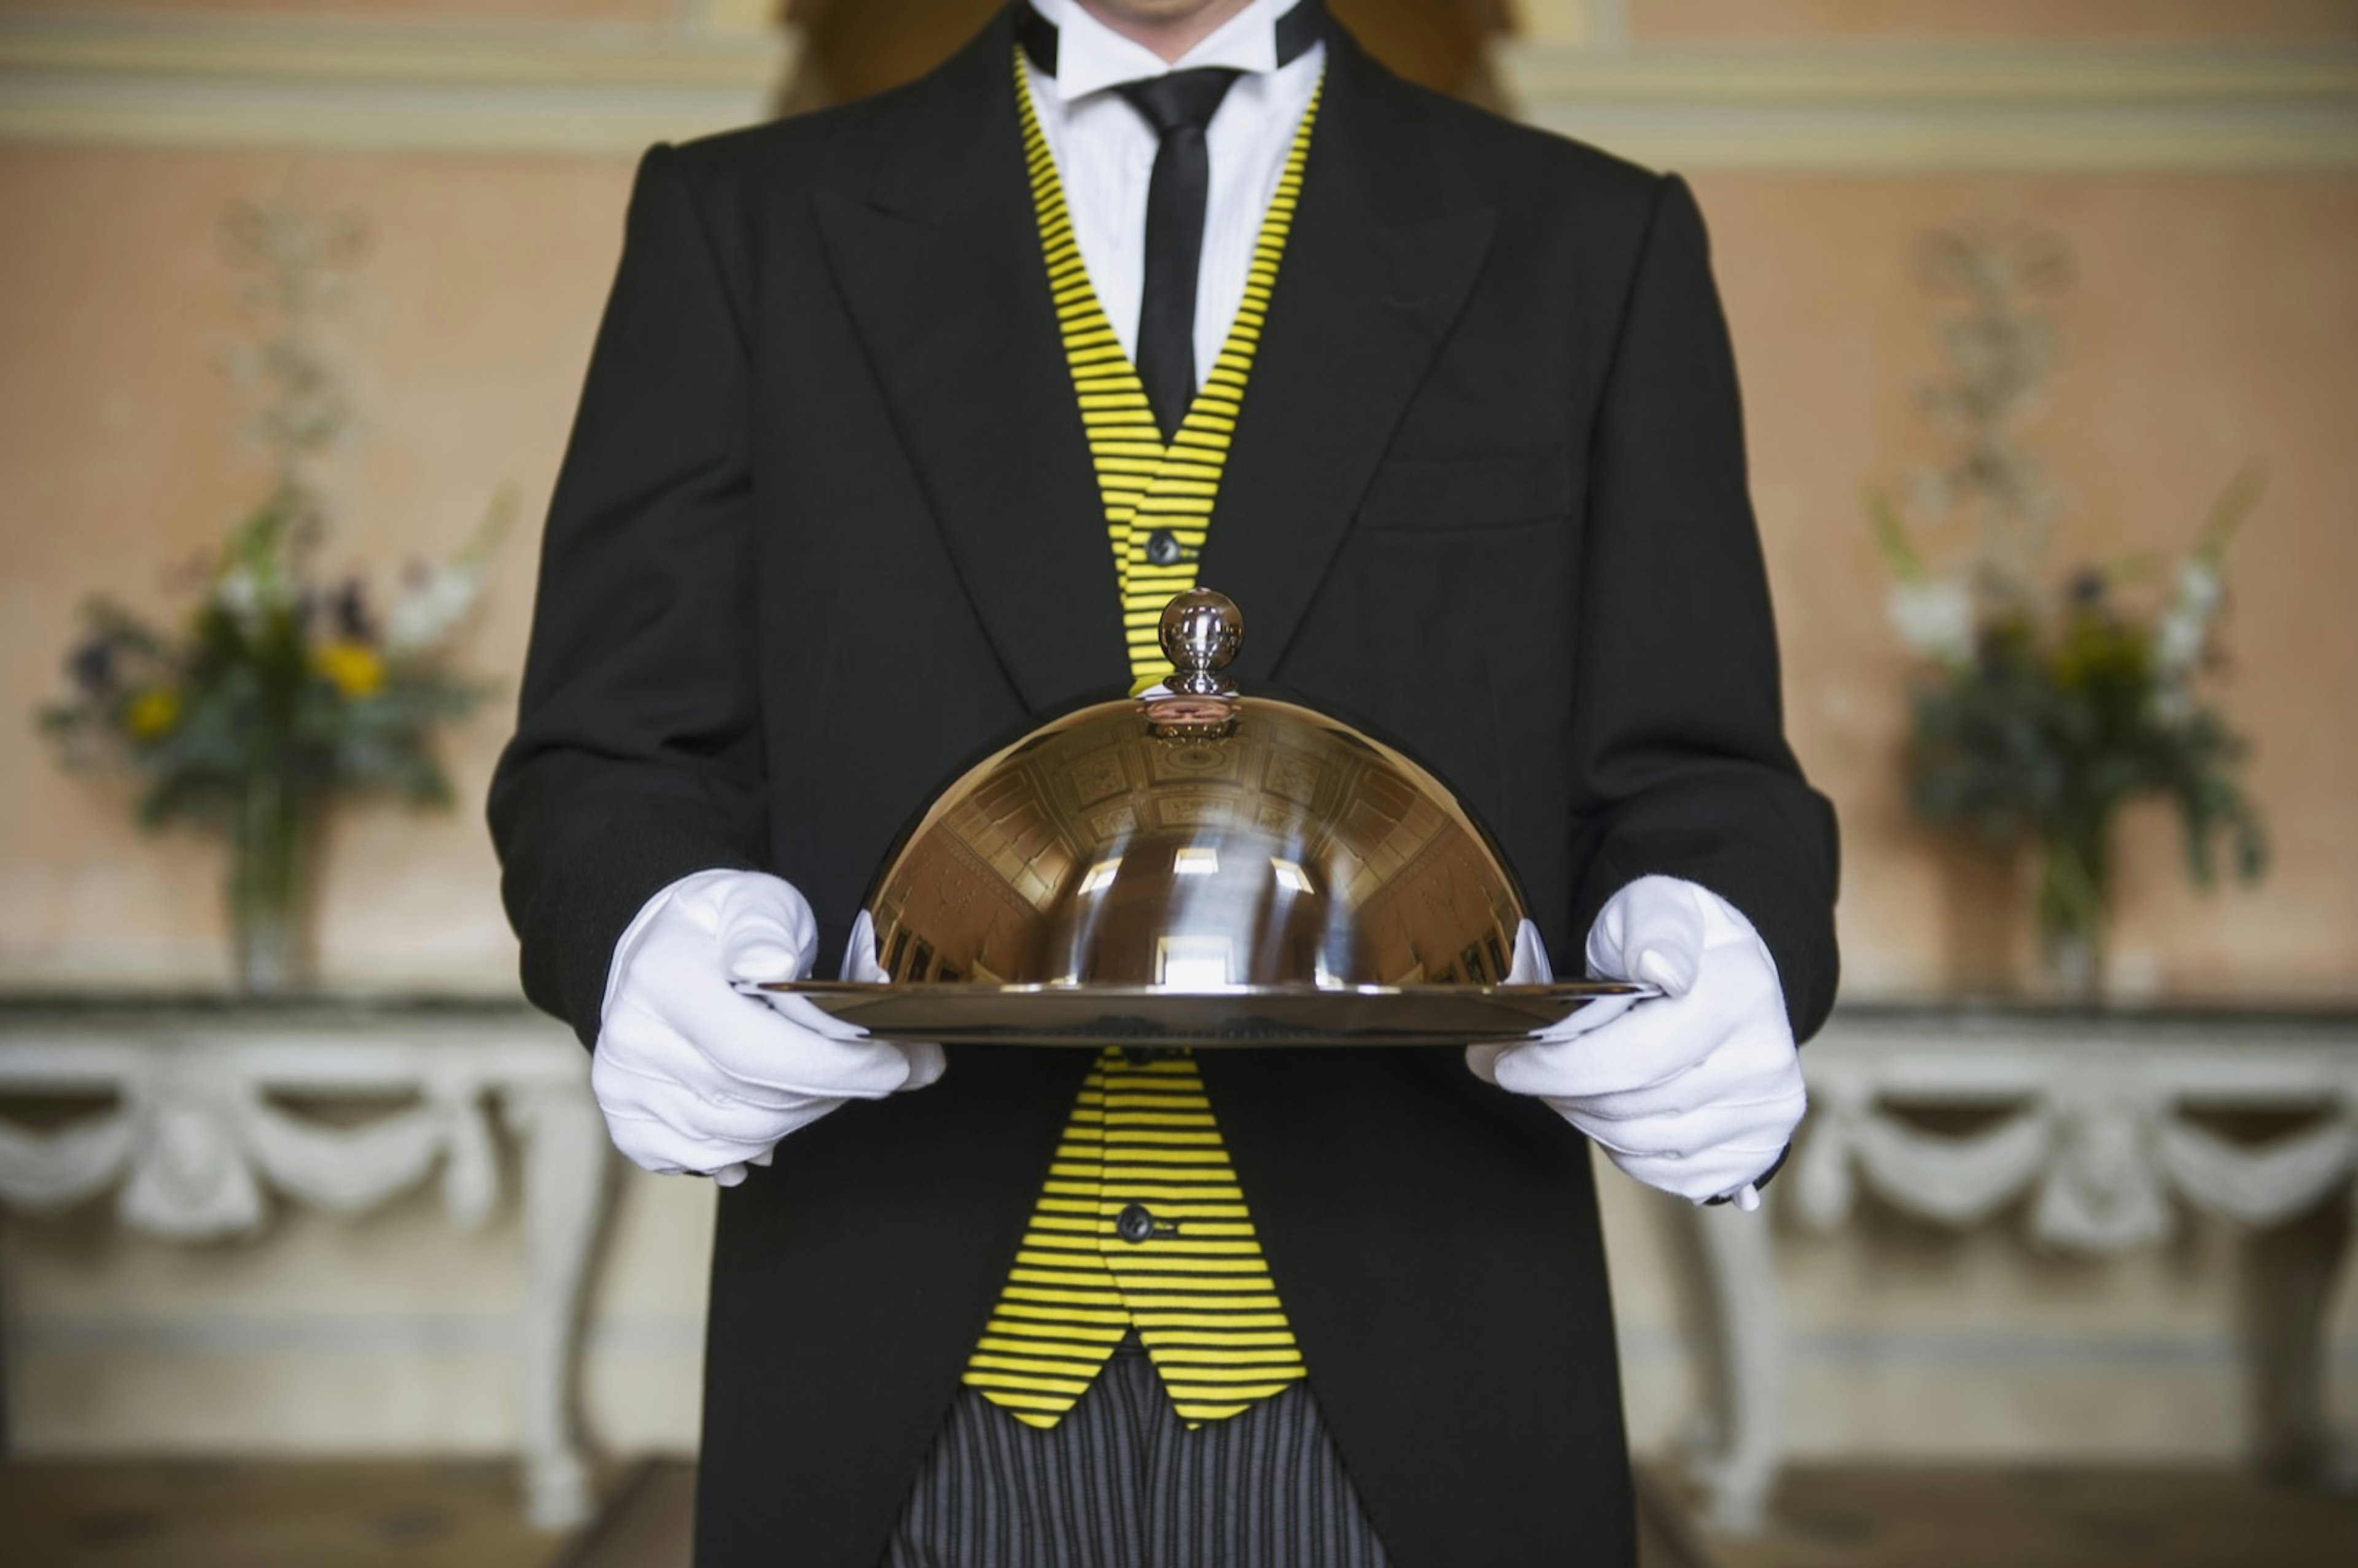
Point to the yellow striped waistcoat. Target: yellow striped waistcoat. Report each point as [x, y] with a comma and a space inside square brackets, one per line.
[1141, 1225]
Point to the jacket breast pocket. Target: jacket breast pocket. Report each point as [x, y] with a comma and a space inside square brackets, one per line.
[1490, 490]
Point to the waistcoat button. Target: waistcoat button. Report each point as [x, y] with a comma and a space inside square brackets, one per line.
[1134, 1224]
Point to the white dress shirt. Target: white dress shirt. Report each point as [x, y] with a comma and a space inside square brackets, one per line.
[1105, 155]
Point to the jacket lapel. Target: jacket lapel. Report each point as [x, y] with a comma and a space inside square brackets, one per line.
[1375, 272]
[940, 265]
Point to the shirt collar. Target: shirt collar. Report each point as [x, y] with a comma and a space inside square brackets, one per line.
[1092, 56]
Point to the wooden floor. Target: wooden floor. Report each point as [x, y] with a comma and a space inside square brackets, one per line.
[268, 1515]
[1917, 1517]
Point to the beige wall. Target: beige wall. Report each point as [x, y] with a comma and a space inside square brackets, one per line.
[1789, 22]
[1784, 21]
[120, 454]
[558, 11]
[2212, 326]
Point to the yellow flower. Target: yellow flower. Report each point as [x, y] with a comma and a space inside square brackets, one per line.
[152, 712]
[353, 668]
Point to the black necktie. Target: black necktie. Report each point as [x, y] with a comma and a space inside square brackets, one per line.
[1178, 105]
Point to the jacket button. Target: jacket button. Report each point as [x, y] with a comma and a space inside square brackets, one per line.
[1163, 549]
[1134, 1224]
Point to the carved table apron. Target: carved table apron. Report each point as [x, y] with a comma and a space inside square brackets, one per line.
[196, 1134]
[2101, 1129]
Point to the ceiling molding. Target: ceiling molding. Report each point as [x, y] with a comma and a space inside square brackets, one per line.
[2010, 111]
[378, 87]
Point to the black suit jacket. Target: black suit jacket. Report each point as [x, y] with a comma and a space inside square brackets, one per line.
[828, 525]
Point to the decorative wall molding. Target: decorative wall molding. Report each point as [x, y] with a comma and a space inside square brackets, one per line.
[2057, 110]
[373, 86]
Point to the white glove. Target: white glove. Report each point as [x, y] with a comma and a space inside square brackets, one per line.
[696, 1075]
[1696, 1091]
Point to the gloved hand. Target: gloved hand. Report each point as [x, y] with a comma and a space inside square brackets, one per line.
[695, 1074]
[1696, 1091]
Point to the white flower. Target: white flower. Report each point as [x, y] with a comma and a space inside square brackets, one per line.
[2184, 627]
[1934, 617]
[2173, 705]
[240, 593]
[430, 608]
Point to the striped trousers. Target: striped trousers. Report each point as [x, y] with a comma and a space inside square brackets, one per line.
[1121, 1483]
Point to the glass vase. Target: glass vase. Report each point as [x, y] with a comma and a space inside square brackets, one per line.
[2074, 911]
[269, 886]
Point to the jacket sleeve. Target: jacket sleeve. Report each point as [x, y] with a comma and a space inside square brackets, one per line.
[636, 758]
[1678, 724]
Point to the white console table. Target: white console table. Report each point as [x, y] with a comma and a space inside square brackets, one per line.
[2100, 1127]
[198, 1130]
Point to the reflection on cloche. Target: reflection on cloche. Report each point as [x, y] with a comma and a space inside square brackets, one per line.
[1196, 837]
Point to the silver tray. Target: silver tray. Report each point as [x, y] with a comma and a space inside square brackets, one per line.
[1229, 1016]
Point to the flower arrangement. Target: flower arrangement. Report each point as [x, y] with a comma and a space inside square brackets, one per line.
[2037, 712]
[281, 690]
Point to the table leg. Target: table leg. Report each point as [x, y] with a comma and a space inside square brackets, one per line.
[2290, 1273]
[1747, 1357]
[567, 1173]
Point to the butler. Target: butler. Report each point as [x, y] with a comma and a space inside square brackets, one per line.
[904, 419]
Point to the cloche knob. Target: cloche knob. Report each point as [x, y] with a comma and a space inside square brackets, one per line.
[1201, 633]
